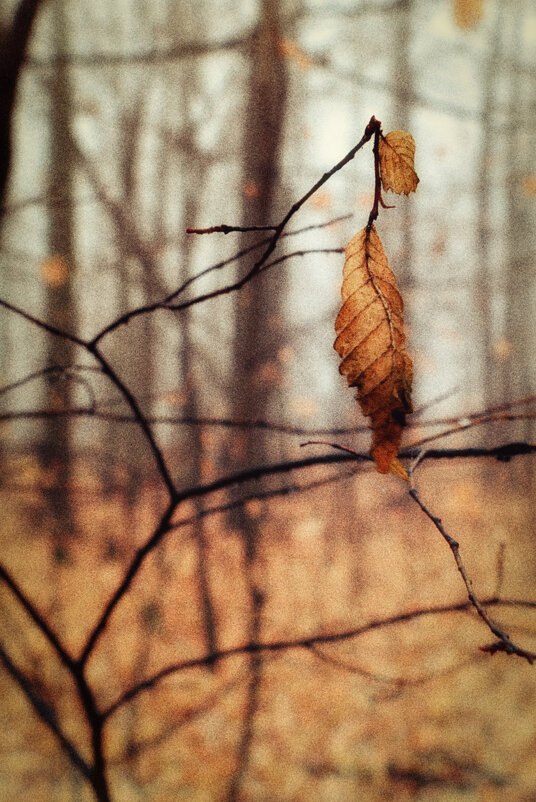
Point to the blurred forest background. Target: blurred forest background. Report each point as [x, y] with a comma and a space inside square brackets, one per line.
[134, 120]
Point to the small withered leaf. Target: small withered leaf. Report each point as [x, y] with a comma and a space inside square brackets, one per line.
[397, 154]
[372, 346]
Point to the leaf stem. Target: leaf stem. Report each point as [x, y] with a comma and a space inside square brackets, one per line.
[377, 178]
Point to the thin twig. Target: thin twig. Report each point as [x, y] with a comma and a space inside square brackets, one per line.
[91, 347]
[42, 325]
[399, 682]
[60, 370]
[223, 229]
[303, 643]
[161, 529]
[166, 303]
[194, 420]
[504, 642]
[461, 426]
[139, 416]
[258, 265]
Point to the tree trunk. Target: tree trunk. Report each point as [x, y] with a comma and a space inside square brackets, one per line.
[56, 446]
[13, 42]
[258, 308]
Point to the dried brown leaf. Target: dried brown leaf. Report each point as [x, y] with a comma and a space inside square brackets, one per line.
[397, 153]
[372, 345]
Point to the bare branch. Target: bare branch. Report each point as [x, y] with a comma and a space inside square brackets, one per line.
[262, 495]
[42, 325]
[166, 303]
[155, 56]
[223, 229]
[127, 580]
[399, 682]
[67, 371]
[139, 417]
[37, 618]
[258, 265]
[463, 424]
[504, 642]
[45, 713]
[305, 643]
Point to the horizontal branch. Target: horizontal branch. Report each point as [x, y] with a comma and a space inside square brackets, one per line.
[261, 471]
[401, 681]
[164, 526]
[301, 643]
[455, 422]
[261, 495]
[224, 229]
[154, 56]
[503, 453]
[67, 371]
[175, 420]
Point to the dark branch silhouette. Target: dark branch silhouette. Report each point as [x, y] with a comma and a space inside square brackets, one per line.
[45, 713]
[253, 645]
[307, 643]
[504, 642]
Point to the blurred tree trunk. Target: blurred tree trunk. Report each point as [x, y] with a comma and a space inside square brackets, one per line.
[14, 39]
[194, 168]
[402, 119]
[520, 340]
[403, 222]
[485, 282]
[13, 43]
[133, 352]
[258, 305]
[60, 310]
[258, 309]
